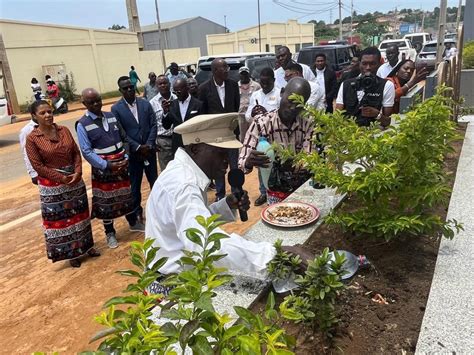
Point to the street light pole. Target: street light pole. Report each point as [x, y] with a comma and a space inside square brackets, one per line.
[161, 43]
[340, 19]
[259, 30]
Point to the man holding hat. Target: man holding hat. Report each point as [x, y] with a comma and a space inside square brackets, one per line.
[175, 73]
[180, 195]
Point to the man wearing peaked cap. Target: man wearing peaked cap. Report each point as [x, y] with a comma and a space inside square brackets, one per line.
[180, 194]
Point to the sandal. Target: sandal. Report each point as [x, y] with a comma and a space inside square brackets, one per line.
[75, 263]
[93, 253]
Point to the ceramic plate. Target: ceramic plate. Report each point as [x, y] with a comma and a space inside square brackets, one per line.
[290, 214]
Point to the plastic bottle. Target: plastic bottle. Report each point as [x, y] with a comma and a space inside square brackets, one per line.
[265, 147]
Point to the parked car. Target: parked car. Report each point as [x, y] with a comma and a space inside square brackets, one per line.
[418, 40]
[339, 56]
[255, 65]
[427, 56]
[404, 46]
[5, 112]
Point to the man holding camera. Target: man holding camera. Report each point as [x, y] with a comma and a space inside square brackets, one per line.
[368, 97]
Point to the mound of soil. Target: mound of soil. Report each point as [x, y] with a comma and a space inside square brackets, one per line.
[401, 273]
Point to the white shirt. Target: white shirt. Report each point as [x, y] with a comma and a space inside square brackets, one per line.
[280, 75]
[178, 196]
[133, 109]
[270, 101]
[320, 80]
[316, 99]
[25, 131]
[183, 106]
[220, 91]
[384, 70]
[388, 98]
[451, 52]
[158, 109]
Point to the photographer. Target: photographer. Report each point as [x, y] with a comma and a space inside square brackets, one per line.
[368, 98]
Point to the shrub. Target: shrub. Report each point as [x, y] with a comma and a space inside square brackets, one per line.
[397, 175]
[468, 55]
[195, 324]
[68, 89]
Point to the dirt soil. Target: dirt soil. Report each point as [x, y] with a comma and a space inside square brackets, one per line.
[402, 272]
[50, 307]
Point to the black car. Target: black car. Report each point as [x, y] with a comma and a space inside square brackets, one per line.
[255, 66]
[338, 56]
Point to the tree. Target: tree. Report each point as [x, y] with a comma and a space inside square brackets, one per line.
[322, 31]
[369, 30]
[116, 27]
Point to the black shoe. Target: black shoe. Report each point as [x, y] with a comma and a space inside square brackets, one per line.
[260, 200]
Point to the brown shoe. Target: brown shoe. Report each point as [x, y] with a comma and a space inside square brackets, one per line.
[75, 262]
[260, 200]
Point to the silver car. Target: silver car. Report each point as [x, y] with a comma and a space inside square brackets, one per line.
[427, 55]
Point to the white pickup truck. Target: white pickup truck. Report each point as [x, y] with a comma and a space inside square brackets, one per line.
[404, 46]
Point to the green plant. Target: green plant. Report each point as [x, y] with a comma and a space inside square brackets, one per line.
[468, 55]
[393, 177]
[313, 302]
[68, 89]
[194, 323]
[283, 265]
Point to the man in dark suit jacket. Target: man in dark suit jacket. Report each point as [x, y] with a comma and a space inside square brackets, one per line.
[186, 104]
[220, 95]
[326, 77]
[139, 122]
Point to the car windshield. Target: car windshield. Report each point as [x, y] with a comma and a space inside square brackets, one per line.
[385, 45]
[205, 72]
[431, 47]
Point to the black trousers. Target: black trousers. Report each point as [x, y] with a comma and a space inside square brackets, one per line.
[136, 169]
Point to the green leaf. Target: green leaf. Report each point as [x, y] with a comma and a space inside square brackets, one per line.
[233, 331]
[103, 333]
[194, 237]
[186, 332]
[201, 346]
[205, 302]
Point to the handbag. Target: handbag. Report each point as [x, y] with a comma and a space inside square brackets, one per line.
[285, 178]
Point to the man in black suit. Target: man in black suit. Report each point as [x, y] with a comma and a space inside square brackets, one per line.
[139, 122]
[220, 95]
[326, 77]
[180, 110]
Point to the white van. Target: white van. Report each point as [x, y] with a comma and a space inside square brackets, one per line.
[418, 40]
[5, 117]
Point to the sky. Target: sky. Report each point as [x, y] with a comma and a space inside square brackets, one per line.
[238, 14]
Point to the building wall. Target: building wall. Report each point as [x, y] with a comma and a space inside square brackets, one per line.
[189, 34]
[95, 57]
[292, 34]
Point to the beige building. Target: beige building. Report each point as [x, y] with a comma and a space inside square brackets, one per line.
[96, 58]
[292, 34]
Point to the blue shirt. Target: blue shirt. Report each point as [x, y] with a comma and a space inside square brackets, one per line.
[86, 147]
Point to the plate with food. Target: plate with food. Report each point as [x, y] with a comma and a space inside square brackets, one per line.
[290, 214]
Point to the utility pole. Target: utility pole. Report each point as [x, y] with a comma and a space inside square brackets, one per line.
[259, 29]
[458, 17]
[225, 23]
[441, 30]
[8, 78]
[352, 11]
[161, 43]
[330, 16]
[423, 22]
[340, 20]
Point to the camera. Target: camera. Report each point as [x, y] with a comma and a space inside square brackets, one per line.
[366, 82]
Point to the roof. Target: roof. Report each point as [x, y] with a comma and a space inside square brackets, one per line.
[171, 24]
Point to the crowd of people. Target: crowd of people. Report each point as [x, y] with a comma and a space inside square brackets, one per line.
[194, 134]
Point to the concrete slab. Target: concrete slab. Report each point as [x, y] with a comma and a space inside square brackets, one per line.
[448, 323]
[466, 119]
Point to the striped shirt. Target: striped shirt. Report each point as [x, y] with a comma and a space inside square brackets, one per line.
[46, 155]
[269, 125]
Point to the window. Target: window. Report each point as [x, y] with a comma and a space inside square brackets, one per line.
[297, 47]
[267, 48]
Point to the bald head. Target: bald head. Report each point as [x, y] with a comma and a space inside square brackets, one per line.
[289, 110]
[92, 101]
[180, 88]
[220, 70]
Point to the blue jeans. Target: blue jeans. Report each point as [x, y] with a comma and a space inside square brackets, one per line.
[136, 169]
[233, 163]
[261, 186]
